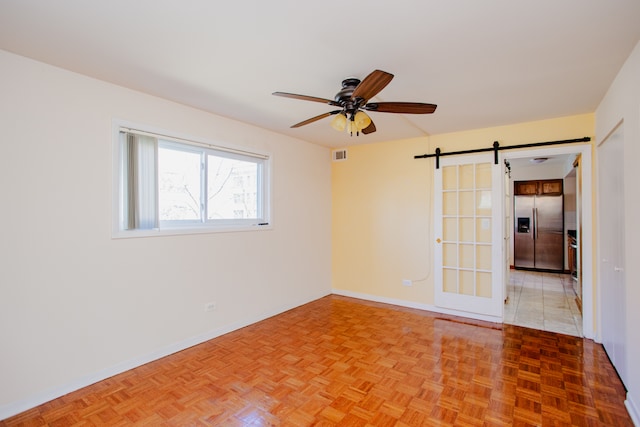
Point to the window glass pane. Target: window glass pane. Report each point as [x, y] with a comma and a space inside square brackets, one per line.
[450, 178]
[467, 176]
[483, 175]
[450, 229]
[467, 259]
[450, 203]
[232, 187]
[449, 255]
[450, 280]
[483, 257]
[466, 203]
[178, 185]
[483, 280]
[466, 230]
[483, 202]
[467, 284]
[483, 230]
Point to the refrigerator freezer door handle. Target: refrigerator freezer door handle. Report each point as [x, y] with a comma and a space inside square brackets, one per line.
[535, 223]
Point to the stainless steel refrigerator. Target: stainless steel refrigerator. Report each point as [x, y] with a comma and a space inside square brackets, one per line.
[539, 232]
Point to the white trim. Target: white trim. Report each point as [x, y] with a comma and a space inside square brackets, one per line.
[633, 410]
[17, 407]
[589, 329]
[416, 305]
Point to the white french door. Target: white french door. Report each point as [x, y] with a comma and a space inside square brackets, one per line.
[469, 238]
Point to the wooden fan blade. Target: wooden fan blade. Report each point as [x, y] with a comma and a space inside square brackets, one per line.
[316, 118]
[371, 85]
[306, 98]
[401, 107]
[369, 129]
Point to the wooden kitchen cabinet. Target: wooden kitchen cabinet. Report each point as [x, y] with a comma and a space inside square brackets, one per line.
[550, 187]
[544, 187]
[525, 188]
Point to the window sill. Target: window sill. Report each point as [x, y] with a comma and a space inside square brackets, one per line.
[130, 234]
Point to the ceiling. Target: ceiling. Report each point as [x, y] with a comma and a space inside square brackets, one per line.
[484, 63]
[558, 160]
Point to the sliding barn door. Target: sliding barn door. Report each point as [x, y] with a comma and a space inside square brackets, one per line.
[468, 231]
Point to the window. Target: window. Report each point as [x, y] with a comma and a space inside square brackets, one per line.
[168, 185]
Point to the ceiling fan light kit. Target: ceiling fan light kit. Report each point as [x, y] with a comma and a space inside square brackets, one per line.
[353, 98]
[339, 122]
[354, 124]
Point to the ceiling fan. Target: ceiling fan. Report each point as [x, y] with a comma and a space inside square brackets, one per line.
[353, 99]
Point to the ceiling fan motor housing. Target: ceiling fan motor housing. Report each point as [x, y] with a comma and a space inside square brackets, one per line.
[348, 86]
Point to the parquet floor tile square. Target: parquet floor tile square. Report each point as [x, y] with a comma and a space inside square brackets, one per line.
[344, 362]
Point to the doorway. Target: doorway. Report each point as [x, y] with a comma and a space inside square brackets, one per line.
[553, 301]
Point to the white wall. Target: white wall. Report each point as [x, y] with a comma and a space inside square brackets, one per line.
[77, 305]
[622, 103]
[524, 172]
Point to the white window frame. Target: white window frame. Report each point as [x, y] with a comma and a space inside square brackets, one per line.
[169, 139]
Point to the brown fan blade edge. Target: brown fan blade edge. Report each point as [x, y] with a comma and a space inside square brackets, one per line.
[306, 98]
[369, 129]
[316, 118]
[371, 85]
[401, 107]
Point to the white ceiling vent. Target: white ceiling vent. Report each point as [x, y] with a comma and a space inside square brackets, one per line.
[339, 155]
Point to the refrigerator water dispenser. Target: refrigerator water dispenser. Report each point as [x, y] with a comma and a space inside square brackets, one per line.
[524, 225]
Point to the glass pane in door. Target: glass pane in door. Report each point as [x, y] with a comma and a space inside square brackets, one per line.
[467, 229]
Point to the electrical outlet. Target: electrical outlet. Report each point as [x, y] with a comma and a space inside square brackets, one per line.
[407, 282]
[210, 306]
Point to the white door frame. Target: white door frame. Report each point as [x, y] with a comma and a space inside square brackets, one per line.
[587, 242]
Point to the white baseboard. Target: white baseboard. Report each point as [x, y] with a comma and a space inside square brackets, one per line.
[37, 399]
[634, 409]
[420, 306]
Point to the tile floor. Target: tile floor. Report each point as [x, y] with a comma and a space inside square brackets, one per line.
[544, 301]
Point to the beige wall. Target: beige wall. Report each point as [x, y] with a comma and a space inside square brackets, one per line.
[383, 207]
[380, 202]
[77, 305]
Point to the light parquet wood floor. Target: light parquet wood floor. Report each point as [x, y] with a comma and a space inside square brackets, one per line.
[341, 361]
